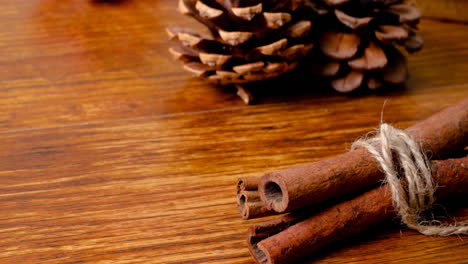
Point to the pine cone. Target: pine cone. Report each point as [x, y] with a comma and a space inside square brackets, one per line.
[250, 40]
[359, 38]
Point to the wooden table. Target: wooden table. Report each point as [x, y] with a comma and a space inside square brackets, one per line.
[112, 154]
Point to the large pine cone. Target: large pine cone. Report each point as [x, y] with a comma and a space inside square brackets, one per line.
[251, 40]
[359, 38]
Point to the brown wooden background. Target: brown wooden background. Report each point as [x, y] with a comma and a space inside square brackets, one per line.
[112, 154]
[448, 10]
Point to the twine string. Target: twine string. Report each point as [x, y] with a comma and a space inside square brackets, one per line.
[390, 145]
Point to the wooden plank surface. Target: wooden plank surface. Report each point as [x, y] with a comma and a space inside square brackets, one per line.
[112, 154]
[451, 10]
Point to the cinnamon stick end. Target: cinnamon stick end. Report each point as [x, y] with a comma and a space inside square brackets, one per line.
[252, 243]
[272, 193]
[241, 200]
[240, 185]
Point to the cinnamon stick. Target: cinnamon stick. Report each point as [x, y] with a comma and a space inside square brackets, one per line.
[263, 230]
[250, 206]
[283, 191]
[248, 199]
[280, 242]
[247, 183]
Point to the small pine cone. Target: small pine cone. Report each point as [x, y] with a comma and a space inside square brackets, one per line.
[250, 40]
[359, 39]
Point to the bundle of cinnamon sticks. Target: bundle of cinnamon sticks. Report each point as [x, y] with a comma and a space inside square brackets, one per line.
[311, 196]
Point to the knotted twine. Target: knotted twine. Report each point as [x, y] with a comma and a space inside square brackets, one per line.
[392, 144]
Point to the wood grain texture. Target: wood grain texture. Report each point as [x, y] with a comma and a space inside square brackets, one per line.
[452, 10]
[112, 154]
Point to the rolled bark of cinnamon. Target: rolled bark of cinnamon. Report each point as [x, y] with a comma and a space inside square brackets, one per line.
[248, 199]
[298, 187]
[263, 230]
[247, 183]
[250, 206]
[289, 238]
